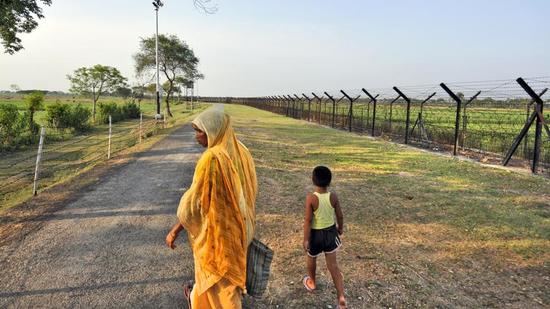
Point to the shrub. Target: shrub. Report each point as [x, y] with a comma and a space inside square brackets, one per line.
[11, 124]
[58, 116]
[106, 109]
[34, 102]
[118, 113]
[79, 118]
[131, 110]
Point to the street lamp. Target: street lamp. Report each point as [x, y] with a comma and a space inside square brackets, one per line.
[157, 4]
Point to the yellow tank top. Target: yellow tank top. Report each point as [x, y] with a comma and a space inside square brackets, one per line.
[323, 217]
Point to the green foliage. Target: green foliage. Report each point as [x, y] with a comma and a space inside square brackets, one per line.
[34, 102]
[131, 110]
[95, 81]
[79, 119]
[109, 109]
[176, 59]
[12, 127]
[18, 16]
[57, 115]
[9, 126]
[117, 113]
[64, 116]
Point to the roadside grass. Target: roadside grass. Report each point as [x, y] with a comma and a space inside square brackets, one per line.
[65, 159]
[421, 230]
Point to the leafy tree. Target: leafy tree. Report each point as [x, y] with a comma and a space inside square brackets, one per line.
[151, 88]
[34, 102]
[176, 59]
[96, 81]
[18, 16]
[138, 93]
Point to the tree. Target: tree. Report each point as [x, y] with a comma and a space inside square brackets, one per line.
[176, 59]
[95, 81]
[15, 87]
[138, 93]
[34, 102]
[18, 16]
[151, 89]
[123, 92]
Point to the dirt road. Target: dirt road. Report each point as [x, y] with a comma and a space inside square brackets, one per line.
[106, 248]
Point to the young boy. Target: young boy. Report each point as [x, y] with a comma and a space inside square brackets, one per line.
[321, 231]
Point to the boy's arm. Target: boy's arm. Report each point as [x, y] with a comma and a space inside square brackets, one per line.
[338, 210]
[307, 220]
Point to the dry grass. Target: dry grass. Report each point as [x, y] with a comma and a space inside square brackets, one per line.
[421, 230]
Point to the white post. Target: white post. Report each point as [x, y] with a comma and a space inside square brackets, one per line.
[192, 94]
[38, 158]
[110, 131]
[140, 126]
[157, 61]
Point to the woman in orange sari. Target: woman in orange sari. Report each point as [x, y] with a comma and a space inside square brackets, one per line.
[218, 213]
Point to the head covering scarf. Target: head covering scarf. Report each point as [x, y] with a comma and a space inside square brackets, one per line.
[218, 210]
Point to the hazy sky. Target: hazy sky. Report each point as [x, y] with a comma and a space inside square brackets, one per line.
[269, 47]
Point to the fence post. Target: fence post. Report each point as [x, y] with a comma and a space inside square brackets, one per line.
[408, 119]
[38, 158]
[362, 128]
[465, 119]
[320, 99]
[140, 126]
[308, 107]
[528, 110]
[457, 119]
[420, 121]
[373, 99]
[350, 115]
[333, 107]
[301, 105]
[110, 133]
[287, 105]
[391, 112]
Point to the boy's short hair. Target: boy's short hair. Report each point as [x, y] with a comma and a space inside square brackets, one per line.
[321, 176]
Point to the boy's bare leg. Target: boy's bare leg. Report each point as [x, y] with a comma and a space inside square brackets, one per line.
[311, 263]
[337, 277]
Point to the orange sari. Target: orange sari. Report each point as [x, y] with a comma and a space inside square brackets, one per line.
[219, 215]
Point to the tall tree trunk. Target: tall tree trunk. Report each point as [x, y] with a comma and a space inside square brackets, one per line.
[93, 110]
[168, 95]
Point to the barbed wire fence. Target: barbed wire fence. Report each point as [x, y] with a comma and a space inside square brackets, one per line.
[497, 121]
[58, 158]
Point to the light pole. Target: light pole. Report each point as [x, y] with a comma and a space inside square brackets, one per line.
[157, 4]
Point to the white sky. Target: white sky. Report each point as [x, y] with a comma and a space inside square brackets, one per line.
[251, 48]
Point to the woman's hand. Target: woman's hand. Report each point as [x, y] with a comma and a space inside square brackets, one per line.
[306, 245]
[173, 234]
[170, 238]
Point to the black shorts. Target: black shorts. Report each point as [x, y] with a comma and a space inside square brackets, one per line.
[325, 240]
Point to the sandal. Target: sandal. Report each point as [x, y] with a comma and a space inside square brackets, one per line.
[306, 285]
[187, 288]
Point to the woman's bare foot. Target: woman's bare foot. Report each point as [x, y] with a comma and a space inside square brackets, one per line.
[342, 303]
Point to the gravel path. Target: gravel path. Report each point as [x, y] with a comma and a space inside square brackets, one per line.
[106, 249]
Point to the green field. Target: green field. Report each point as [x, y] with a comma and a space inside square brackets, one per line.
[421, 230]
[485, 128]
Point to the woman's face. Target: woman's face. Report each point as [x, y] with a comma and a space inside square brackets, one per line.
[201, 136]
